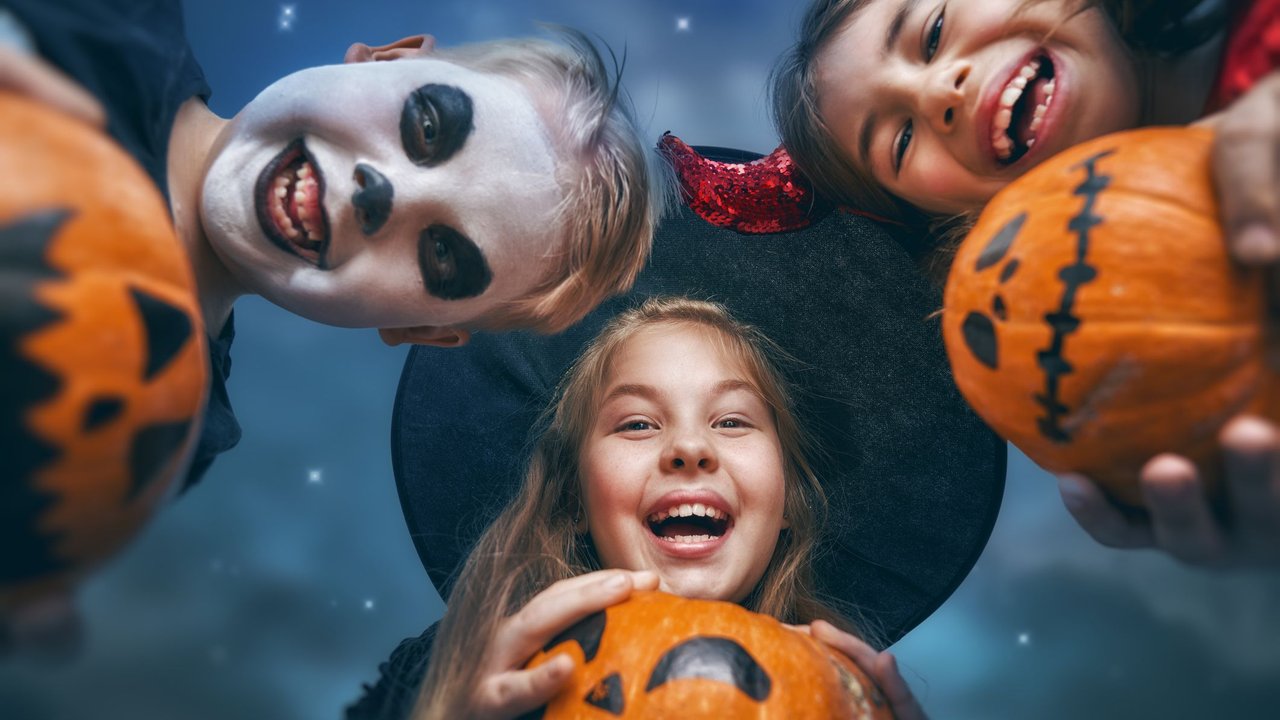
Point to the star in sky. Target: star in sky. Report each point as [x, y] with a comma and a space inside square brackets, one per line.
[314, 477]
[1024, 639]
[368, 604]
[682, 24]
[287, 15]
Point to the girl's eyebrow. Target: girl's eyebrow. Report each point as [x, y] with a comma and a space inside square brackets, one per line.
[648, 392]
[864, 137]
[896, 24]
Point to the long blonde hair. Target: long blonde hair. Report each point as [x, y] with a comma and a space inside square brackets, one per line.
[534, 542]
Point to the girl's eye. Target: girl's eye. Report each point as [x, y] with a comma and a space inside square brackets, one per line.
[731, 423]
[935, 34]
[635, 426]
[900, 147]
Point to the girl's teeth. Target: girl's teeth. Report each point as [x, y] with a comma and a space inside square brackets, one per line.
[679, 539]
[1000, 140]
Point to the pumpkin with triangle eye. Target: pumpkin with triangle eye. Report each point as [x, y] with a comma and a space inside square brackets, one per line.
[102, 352]
[1094, 318]
[662, 656]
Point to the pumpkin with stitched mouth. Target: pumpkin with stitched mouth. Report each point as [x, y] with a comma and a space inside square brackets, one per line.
[1094, 318]
[102, 351]
[657, 655]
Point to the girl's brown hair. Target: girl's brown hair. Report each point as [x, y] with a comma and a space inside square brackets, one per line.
[534, 542]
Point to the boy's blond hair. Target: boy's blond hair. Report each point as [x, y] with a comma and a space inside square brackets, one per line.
[613, 195]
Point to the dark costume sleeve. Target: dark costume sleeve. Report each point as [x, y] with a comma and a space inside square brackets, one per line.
[393, 696]
[134, 57]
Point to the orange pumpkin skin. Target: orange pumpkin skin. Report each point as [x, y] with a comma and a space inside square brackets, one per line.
[642, 658]
[102, 350]
[1094, 318]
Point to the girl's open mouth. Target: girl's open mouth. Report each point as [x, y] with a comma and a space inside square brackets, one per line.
[288, 200]
[689, 523]
[1021, 109]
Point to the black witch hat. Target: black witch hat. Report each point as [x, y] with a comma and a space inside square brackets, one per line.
[913, 477]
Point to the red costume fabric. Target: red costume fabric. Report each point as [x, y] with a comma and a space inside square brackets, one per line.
[770, 195]
[1253, 50]
[767, 195]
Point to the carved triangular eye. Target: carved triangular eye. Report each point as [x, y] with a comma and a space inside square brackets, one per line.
[587, 632]
[712, 658]
[167, 327]
[1000, 244]
[607, 695]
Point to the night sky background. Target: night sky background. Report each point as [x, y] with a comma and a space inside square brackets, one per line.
[275, 588]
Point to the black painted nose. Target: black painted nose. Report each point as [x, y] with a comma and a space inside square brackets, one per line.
[373, 200]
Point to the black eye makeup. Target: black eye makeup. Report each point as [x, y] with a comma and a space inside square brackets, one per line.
[435, 123]
[452, 266]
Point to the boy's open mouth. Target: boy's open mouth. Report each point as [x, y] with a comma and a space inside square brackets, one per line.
[288, 199]
[689, 523]
[1021, 109]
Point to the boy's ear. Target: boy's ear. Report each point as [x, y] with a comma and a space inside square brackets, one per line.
[445, 337]
[410, 47]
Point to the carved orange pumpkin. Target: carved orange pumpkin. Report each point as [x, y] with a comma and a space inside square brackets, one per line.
[1094, 318]
[662, 656]
[102, 351]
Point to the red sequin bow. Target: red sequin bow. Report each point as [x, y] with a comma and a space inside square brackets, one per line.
[768, 195]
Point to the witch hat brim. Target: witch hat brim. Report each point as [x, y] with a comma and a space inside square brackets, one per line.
[913, 477]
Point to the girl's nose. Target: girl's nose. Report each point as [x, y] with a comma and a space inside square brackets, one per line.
[689, 452]
[372, 198]
[944, 96]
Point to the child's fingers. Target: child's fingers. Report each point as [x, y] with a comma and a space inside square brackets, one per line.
[557, 608]
[1099, 517]
[1245, 170]
[1181, 520]
[510, 694]
[895, 689]
[802, 629]
[30, 76]
[858, 651]
[1251, 455]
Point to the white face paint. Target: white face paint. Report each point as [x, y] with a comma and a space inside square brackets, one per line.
[472, 175]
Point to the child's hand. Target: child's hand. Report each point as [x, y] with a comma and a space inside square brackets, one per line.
[505, 689]
[881, 666]
[1246, 170]
[32, 77]
[1181, 521]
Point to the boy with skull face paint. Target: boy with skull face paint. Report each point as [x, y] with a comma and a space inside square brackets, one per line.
[426, 197]
[493, 186]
